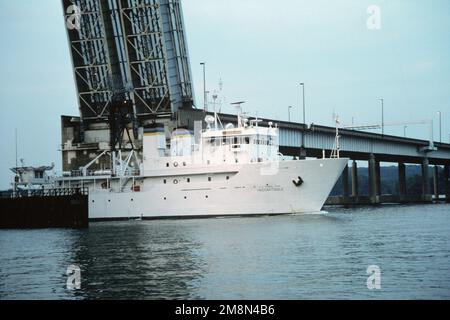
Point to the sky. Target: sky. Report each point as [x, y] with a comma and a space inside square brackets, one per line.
[262, 50]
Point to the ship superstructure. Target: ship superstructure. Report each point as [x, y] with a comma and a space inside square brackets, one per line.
[220, 170]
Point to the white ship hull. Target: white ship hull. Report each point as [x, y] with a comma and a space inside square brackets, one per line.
[233, 189]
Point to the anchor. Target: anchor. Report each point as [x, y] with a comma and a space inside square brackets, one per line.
[298, 183]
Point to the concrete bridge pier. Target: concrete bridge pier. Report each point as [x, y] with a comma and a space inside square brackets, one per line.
[355, 192]
[378, 177]
[447, 182]
[426, 195]
[345, 182]
[373, 179]
[436, 182]
[402, 181]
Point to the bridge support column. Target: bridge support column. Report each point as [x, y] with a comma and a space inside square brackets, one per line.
[345, 182]
[402, 181]
[378, 177]
[436, 182]
[426, 196]
[447, 182]
[354, 179]
[373, 192]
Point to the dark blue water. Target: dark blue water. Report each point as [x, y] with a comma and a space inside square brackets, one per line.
[283, 257]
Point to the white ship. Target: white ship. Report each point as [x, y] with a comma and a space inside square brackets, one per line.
[230, 170]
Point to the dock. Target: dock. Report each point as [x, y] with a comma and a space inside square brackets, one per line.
[51, 208]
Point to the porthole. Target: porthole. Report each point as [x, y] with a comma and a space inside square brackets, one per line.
[185, 197]
[206, 197]
[228, 178]
[165, 198]
[165, 181]
[209, 178]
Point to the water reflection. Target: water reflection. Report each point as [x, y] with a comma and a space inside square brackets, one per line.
[137, 260]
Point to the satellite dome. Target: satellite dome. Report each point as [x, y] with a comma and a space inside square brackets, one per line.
[209, 119]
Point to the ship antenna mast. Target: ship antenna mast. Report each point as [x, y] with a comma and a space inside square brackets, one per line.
[335, 153]
[215, 111]
[16, 146]
[239, 111]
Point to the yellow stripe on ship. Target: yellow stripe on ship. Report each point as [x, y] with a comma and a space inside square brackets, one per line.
[153, 133]
[182, 136]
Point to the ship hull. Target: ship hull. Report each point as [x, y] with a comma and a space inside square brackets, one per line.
[294, 186]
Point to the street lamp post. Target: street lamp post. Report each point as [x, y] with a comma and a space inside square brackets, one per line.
[304, 113]
[289, 113]
[204, 85]
[382, 116]
[440, 126]
[304, 120]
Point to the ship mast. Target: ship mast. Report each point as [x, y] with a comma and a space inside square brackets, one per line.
[239, 111]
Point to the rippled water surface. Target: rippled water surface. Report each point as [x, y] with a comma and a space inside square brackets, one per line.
[283, 257]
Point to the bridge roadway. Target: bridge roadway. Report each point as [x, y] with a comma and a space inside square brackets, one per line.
[359, 146]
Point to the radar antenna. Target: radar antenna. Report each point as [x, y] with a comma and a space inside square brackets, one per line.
[238, 106]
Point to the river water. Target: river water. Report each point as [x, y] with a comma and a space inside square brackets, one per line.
[321, 256]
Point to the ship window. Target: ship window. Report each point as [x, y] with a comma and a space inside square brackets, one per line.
[209, 178]
[206, 197]
[165, 198]
[131, 200]
[38, 174]
[167, 164]
[188, 179]
[165, 181]
[228, 178]
[185, 197]
[236, 160]
[184, 164]
[235, 140]
[247, 140]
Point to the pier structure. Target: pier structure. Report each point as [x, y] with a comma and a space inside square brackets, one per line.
[44, 208]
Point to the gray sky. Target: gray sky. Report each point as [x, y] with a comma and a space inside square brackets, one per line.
[261, 49]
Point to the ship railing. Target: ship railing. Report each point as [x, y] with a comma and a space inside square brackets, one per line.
[56, 192]
[94, 173]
